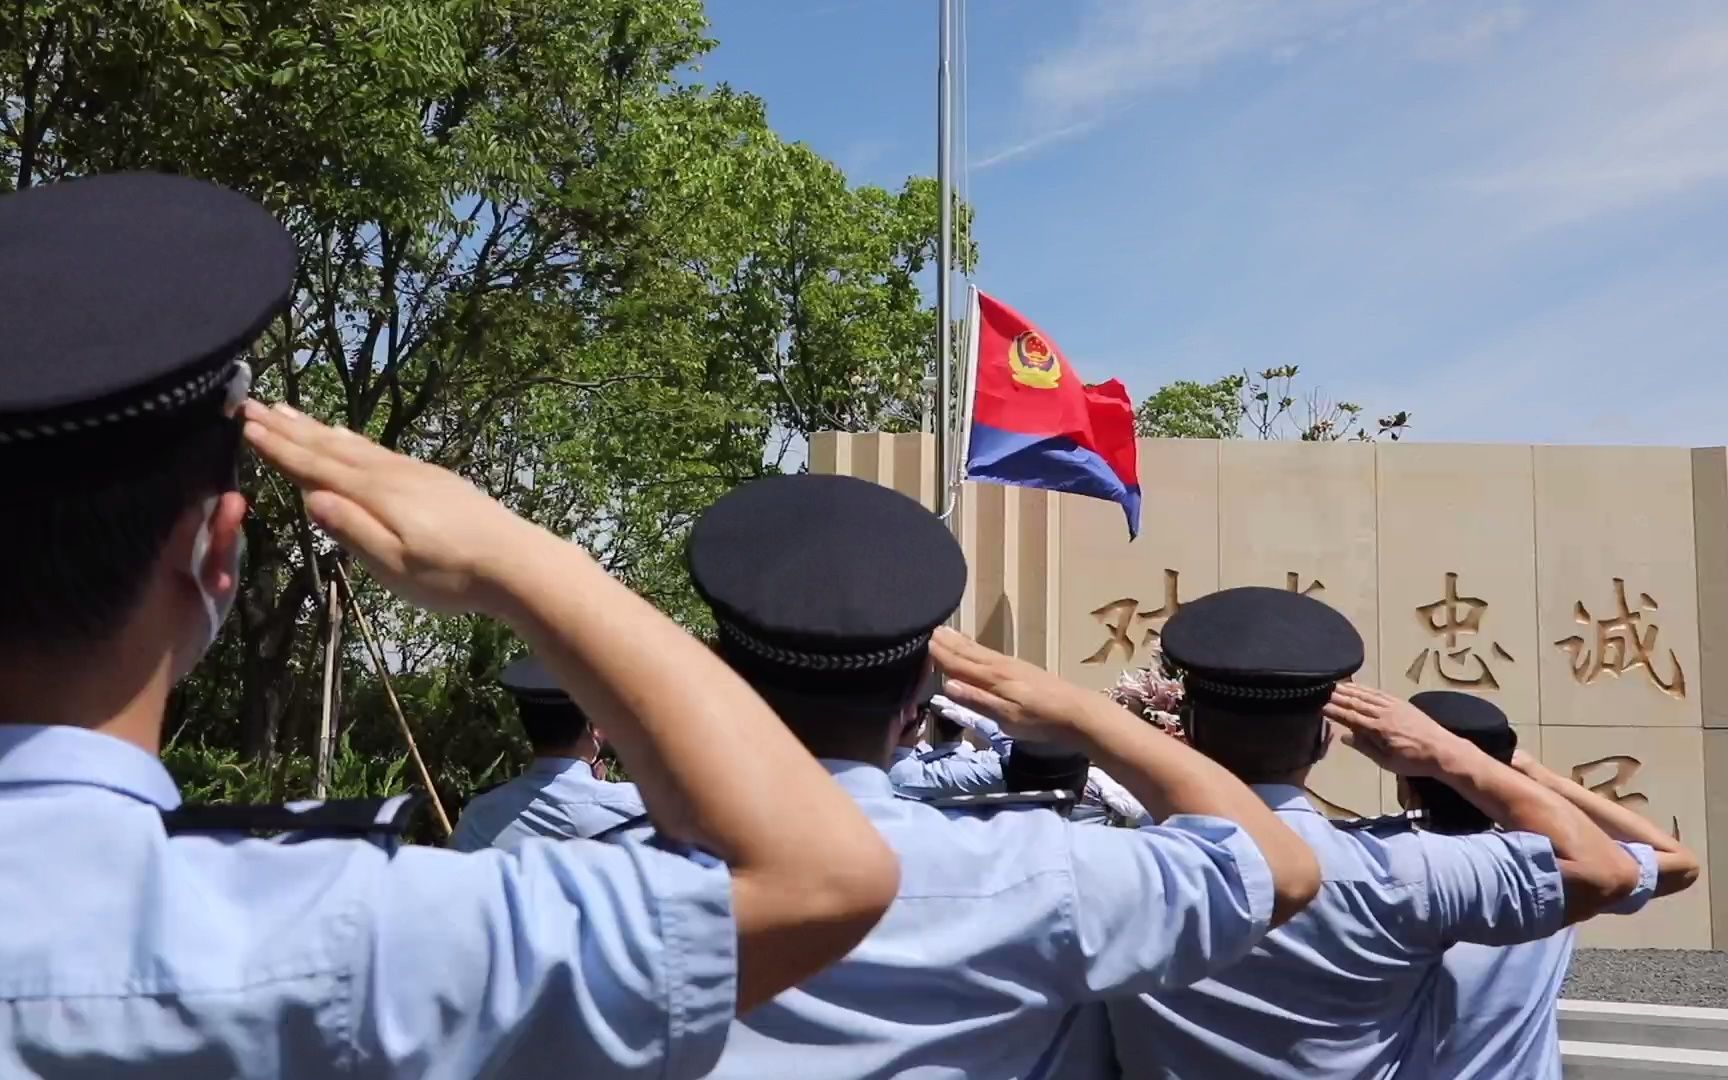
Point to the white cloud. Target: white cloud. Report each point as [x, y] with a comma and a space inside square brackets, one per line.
[1476, 35]
[1614, 129]
[1035, 143]
[1126, 46]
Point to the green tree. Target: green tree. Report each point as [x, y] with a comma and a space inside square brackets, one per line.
[1259, 406]
[531, 248]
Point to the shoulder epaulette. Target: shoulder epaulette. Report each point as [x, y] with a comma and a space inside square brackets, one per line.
[1403, 822]
[1005, 800]
[606, 836]
[389, 817]
[937, 755]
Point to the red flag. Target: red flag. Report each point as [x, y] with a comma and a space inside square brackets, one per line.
[1035, 424]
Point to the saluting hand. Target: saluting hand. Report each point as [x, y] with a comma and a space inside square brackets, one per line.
[1389, 731]
[425, 533]
[1029, 702]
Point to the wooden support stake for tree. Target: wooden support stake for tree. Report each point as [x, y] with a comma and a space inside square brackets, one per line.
[377, 654]
[326, 726]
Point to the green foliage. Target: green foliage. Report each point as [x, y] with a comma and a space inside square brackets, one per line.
[531, 249]
[1191, 410]
[215, 774]
[1260, 406]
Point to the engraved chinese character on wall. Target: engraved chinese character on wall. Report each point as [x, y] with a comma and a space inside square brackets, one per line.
[1121, 618]
[1620, 643]
[1293, 583]
[1612, 775]
[1458, 666]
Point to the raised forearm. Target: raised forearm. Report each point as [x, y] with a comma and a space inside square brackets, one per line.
[1676, 865]
[1170, 778]
[1597, 871]
[809, 882]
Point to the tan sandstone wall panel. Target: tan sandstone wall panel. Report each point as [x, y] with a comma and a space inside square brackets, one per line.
[1658, 771]
[1115, 595]
[1345, 784]
[1457, 573]
[1710, 528]
[1010, 534]
[1302, 516]
[906, 463]
[1716, 825]
[1616, 586]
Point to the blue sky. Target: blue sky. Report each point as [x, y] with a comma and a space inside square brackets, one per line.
[1510, 218]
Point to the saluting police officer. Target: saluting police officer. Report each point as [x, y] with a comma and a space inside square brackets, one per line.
[1009, 920]
[947, 770]
[1345, 988]
[1495, 1005]
[131, 950]
[558, 796]
[950, 765]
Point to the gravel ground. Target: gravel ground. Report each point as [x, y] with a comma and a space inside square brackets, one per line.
[1650, 976]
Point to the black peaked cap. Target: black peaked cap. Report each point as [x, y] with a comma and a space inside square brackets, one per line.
[125, 301]
[1257, 644]
[1476, 719]
[829, 586]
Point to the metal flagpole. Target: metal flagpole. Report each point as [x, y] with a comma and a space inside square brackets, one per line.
[944, 253]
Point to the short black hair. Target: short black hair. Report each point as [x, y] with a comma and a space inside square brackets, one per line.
[1257, 743]
[75, 559]
[1446, 811]
[551, 724]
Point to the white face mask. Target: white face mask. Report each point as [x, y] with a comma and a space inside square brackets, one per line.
[216, 608]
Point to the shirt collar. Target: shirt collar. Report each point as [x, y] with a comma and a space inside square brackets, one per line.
[955, 745]
[860, 781]
[902, 753]
[59, 754]
[1284, 797]
[558, 766]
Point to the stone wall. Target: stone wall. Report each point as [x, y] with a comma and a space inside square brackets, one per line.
[1585, 589]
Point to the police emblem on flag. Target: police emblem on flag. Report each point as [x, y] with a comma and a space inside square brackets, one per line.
[1033, 362]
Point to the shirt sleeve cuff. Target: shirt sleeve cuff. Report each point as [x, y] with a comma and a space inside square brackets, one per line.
[700, 969]
[1645, 856]
[1251, 865]
[1547, 882]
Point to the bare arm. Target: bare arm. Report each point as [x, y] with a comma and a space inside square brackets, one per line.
[806, 885]
[1402, 739]
[1676, 866]
[1166, 776]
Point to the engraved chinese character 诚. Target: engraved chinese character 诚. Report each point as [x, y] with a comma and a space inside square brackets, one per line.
[1293, 583]
[1620, 643]
[1452, 617]
[1120, 617]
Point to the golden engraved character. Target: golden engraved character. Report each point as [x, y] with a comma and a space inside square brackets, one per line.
[1623, 642]
[1451, 617]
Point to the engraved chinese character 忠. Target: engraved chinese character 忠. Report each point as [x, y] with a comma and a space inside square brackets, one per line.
[1452, 617]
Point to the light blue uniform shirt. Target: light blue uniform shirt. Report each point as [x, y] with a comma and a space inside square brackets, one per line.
[1006, 925]
[1345, 988]
[557, 798]
[960, 769]
[1495, 1007]
[940, 772]
[127, 953]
